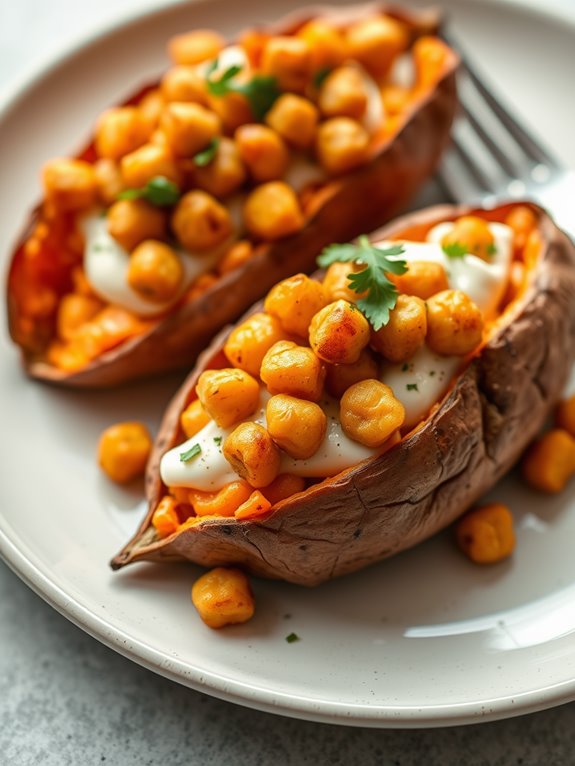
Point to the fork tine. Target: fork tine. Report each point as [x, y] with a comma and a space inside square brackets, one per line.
[510, 167]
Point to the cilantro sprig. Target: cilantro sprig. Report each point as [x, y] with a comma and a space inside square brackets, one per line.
[455, 249]
[261, 91]
[381, 293]
[191, 453]
[203, 158]
[159, 191]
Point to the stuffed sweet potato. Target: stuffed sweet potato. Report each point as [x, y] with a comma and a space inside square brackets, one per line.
[356, 414]
[202, 191]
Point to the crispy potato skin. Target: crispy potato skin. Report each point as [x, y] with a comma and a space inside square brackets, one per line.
[433, 475]
[343, 209]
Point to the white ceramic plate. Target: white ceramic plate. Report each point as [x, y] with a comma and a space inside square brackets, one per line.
[425, 639]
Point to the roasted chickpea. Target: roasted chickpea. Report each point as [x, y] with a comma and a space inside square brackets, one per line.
[336, 282]
[486, 534]
[150, 107]
[120, 131]
[295, 119]
[252, 454]
[225, 173]
[223, 597]
[249, 342]
[147, 162]
[272, 211]
[194, 418]
[184, 83]
[340, 377]
[376, 42]
[326, 44]
[454, 323]
[370, 413]
[294, 301]
[194, 47]
[565, 415]
[233, 109]
[523, 221]
[165, 519]
[550, 461]
[338, 333]
[422, 279]
[473, 233]
[70, 184]
[283, 486]
[123, 451]
[200, 222]
[294, 370]
[73, 311]
[225, 502]
[236, 255]
[342, 144]
[429, 56]
[296, 425]
[405, 332]
[155, 271]
[343, 93]
[288, 59]
[228, 395]
[263, 151]
[108, 180]
[188, 127]
[131, 221]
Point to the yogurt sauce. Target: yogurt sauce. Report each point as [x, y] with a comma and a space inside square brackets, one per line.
[418, 384]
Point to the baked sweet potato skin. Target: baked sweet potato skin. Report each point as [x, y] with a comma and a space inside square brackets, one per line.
[418, 487]
[344, 208]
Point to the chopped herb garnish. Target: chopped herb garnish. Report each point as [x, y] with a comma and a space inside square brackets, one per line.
[405, 367]
[217, 440]
[292, 638]
[194, 451]
[203, 158]
[412, 387]
[455, 250]
[432, 373]
[159, 191]
[381, 292]
[320, 76]
[261, 91]
[491, 248]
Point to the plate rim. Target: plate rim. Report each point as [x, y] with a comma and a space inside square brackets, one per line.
[252, 695]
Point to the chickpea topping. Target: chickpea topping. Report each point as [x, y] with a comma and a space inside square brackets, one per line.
[200, 222]
[165, 519]
[486, 534]
[194, 418]
[376, 42]
[565, 415]
[70, 184]
[252, 454]
[343, 94]
[223, 597]
[338, 333]
[473, 233]
[296, 425]
[294, 301]
[222, 503]
[370, 413]
[188, 127]
[340, 377]
[155, 271]
[120, 131]
[73, 311]
[549, 463]
[108, 180]
[336, 282]
[194, 47]
[123, 451]
[184, 83]
[342, 144]
[295, 119]
[151, 106]
[147, 162]
[263, 151]
[272, 211]
[228, 395]
[233, 109]
[454, 323]
[283, 486]
[289, 60]
[295, 370]
[523, 221]
[225, 173]
[405, 332]
[326, 44]
[131, 221]
[238, 254]
[422, 279]
[249, 342]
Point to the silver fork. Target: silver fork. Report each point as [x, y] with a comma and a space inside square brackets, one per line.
[494, 158]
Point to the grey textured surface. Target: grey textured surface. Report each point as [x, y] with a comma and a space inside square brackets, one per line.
[66, 700]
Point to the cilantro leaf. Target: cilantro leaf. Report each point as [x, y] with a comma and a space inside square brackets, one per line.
[381, 293]
[455, 250]
[194, 451]
[159, 191]
[491, 248]
[261, 91]
[292, 638]
[203, 158]
[412, 387]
